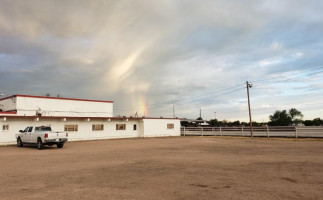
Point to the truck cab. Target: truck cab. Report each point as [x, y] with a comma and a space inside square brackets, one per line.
[40, 136]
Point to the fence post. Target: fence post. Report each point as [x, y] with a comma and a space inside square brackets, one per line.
[184, 130]
[220, 131]
[295, 132]
[242, 130]
[202, 130]
[267, 131]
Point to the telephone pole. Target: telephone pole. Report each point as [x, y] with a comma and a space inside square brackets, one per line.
[249, 86]
[173, 111]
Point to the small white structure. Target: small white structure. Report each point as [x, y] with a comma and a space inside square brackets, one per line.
[83, 119]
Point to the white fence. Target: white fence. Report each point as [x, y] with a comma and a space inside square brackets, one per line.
[269, 131]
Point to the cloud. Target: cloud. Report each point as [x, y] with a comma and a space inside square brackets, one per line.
[166, 52]
[276, 46]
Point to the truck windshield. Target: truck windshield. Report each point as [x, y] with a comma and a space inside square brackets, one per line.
[43, 128]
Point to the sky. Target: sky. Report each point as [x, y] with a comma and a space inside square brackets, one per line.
[167, 58]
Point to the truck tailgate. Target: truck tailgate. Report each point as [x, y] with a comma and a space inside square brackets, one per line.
[56, 135]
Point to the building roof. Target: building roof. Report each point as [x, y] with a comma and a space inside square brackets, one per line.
[43, 97]
[60, 117]
[8, 113]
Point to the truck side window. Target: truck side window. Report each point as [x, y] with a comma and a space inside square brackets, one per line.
[26, 129]
[30, 129]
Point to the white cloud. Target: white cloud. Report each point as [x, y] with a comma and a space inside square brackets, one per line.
[276, 46]
[299, 54]
[160, 51]
[266, 106]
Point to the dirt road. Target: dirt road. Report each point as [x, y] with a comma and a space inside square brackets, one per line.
[166, 168]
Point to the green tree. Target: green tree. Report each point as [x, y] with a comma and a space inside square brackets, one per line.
[314, 122]
[284, 118]
[317, 122]
[185, 123]
[214, 122]
[236, 123]
[280, 118]
[296, 116]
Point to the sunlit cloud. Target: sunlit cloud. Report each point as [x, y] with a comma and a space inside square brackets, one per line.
[141, 53]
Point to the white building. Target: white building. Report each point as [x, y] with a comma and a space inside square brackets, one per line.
[83, 119]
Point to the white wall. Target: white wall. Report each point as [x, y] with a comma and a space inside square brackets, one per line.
[8, 104]
[8, 137]
[158, 127]
[145, 128]
[140, 129]
[84, 128]
[62, 107]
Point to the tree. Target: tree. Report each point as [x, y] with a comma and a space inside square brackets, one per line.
[317, 122]
[236, 123]
[280, 118]
[185, 123]
[296, 116]
[214, 122]
[314, 122]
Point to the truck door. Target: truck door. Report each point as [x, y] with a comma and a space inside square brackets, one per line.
[24, 136]
[35, 134]
[28, 134]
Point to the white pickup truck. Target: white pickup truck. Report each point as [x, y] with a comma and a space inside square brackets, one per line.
[40, 136]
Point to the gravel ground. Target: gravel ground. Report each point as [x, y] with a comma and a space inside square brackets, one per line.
[166, 168]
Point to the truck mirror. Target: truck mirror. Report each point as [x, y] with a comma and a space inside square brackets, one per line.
[20, 131]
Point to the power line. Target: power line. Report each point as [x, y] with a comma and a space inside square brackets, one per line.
[182, 99]
[197, 98]
[184, 103]
[289, 79]
[264, 80]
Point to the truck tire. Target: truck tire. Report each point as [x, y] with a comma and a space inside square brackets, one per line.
[19, 142]
[60, 145]
[40, 144]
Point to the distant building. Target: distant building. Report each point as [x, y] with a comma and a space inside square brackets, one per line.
[83, 119]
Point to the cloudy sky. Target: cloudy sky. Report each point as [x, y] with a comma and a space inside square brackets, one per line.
[152, 56]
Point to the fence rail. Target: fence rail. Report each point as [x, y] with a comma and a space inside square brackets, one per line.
[269, 131]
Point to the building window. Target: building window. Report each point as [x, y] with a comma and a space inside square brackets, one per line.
[121, 127]
[5, 127]
[71, 128]
[170, 126]
[135, 127]
[97, 127]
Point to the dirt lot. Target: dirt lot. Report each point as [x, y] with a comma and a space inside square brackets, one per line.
[166, 168]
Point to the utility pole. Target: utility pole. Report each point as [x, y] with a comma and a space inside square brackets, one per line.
[200, 113]
[249, 86]
[173, 111]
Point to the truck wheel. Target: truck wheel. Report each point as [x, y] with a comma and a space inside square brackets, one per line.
[60, 145]
[40, 144]
[19, 142]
